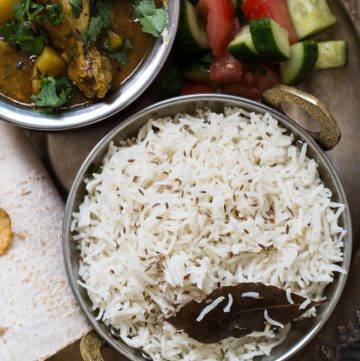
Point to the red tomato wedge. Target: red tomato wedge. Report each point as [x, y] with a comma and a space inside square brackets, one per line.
[253, 84]
[194, 87]
[219, 15]
[274, 9]
[226, 69]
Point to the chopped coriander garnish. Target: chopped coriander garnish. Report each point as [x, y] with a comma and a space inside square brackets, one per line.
[104, 8]
[23, 37]
[93, 31]
[101, 19]
[55, 92]
[152, 19]
[106, 43]
[128, 44]
[29, 10]
[77, 7]
[119, 56]
[21, 34]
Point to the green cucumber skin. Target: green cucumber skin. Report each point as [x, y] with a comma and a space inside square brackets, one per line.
[332, 54]
[264, 41]
[242, 53]
[310, 53]
[310, 17]
[185, 40]
[242, 47]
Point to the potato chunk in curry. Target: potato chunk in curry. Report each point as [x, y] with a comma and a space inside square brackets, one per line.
[6, 11]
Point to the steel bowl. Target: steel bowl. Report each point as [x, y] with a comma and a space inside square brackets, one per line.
[80, 116]
[301, 332]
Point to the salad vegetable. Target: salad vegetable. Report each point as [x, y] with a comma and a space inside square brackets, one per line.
[302, 60]
[309, 16]
[219, 15]
[332, 54]
[243, 47]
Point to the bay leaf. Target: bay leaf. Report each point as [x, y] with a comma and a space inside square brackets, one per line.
[250, 306]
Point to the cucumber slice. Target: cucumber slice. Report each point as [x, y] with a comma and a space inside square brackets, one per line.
[332, 54]
[270, 39]
[192, 36]
[242, 47]
[302, 61]
[310, 16]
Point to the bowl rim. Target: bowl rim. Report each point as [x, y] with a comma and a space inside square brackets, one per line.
[133, 87]
[66, 238]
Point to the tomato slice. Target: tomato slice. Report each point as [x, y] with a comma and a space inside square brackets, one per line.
[274, 9]
[226, 69]
[219, 15]
[194, 87]
[254, 82]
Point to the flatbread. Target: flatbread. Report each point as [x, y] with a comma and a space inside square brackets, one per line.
[38, 314]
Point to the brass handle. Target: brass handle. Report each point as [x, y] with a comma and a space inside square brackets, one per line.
[90, 347]
[329, 135]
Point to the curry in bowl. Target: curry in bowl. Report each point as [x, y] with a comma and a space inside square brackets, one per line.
[63, 53]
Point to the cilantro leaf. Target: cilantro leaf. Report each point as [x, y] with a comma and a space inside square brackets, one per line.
[29, 10]
[104, 8]
[101, 19]
[93, 31]
[152, 19]
[106, 44]
[55, 92]
[119, 56]
[77, 7]
[22, 37]
[128, 44]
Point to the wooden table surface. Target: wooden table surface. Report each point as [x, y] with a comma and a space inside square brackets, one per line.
[340, 338]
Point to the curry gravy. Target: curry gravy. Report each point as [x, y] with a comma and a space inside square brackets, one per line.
[16, 68]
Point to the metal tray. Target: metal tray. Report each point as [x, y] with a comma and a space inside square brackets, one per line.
[63, 153]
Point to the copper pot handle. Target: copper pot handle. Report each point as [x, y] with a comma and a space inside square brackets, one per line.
[90, 347]
[329, 135]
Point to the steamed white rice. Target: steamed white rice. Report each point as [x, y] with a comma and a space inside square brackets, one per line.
[198, 202]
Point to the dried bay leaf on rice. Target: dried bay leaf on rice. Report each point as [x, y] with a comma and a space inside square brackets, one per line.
[248, 307]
